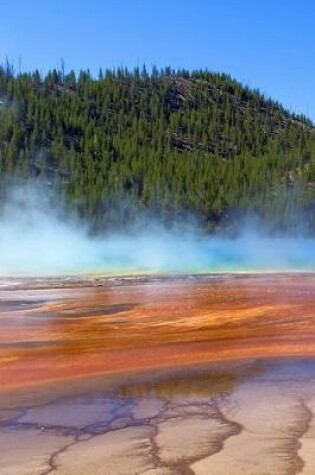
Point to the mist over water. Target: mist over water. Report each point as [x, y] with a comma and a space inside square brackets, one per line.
[37, 239]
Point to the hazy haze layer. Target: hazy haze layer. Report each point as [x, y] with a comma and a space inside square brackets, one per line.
[36, 238]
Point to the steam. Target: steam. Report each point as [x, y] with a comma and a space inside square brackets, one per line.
[36, 239]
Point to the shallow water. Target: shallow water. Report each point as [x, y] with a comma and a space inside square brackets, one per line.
[176, 376]
[251, 418]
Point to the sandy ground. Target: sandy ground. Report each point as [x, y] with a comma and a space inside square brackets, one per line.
[250, 417]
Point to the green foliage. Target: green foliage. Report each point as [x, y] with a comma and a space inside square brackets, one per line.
[168, 141]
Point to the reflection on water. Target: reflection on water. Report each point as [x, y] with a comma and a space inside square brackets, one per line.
[215, 380]
[198, 382]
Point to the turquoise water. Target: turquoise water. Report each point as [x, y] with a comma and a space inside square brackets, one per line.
[55, 254]
[36, 239]
[214, 254]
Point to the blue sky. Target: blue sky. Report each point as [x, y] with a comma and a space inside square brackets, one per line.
[265, 44]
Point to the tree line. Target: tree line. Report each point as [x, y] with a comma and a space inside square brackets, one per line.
[130, 143]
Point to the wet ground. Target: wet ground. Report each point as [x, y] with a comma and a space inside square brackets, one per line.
[172, 376]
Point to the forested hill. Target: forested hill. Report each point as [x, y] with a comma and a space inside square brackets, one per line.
[169, 142]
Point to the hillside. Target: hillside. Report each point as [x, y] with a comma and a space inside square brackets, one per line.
[168, 142]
